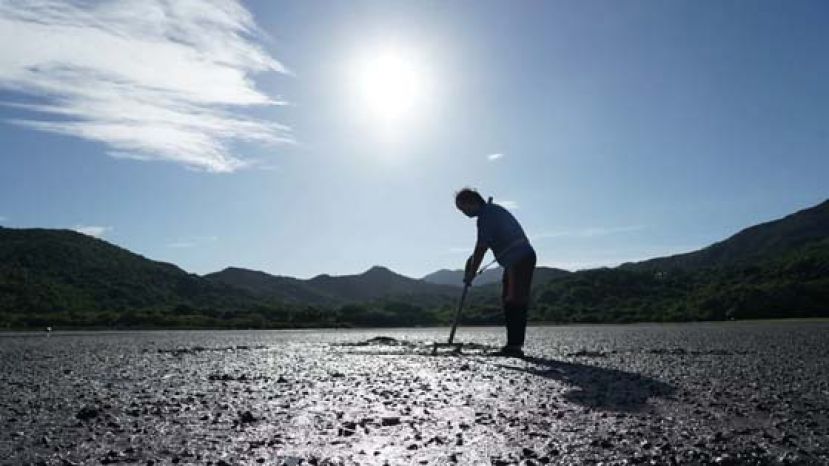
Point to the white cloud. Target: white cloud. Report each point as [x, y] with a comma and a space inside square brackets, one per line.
[151, 79]
[92, 230]
[511, 205]
[494, 156]
[192, 242]
[589, 232]
[3, 219]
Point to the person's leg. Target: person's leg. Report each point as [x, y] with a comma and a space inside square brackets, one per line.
[517, 326]
[506, 292]
[517, 300]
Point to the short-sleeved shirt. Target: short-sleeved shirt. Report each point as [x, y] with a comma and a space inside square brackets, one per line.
[501, 232]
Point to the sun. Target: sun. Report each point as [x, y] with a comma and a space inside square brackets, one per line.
[389, 85]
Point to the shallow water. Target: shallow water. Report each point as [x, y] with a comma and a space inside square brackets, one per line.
[739, 391]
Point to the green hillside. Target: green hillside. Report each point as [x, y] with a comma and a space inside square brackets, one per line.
[267, 286]
[751, 244]
[55, 270]
[790, 284]
[771, 270]
[380, 283]
[491, 277]
[61, 277]
[377, 283]
[65, 279]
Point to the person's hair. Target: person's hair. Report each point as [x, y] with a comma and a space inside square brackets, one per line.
[469, 196]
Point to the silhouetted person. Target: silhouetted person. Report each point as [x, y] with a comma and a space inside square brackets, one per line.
[500, 231]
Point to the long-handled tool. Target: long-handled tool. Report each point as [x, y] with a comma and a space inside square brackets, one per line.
[450, 344]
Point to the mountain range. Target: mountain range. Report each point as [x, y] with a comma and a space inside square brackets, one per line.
[490, 276]
[48, 275]
[751, 244]
[326, 290]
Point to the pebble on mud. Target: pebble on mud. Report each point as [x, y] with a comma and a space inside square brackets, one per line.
[390, 421]
[347, 429]
[86, 413]
[247, 417]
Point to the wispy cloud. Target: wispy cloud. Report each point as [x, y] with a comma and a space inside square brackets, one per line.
[612, 258]
[92, 230]
[589, 232]
[181, 244]
[494, 156]
[192, 242]
[511, 205]
[151, 79]
[3, 219]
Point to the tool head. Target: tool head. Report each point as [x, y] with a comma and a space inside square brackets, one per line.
[454, 347]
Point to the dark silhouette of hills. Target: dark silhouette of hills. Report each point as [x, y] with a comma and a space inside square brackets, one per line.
[378, 282]
[375, 283]
[61, 270]
[751, 244]
[60, 277]
[490, 276]
[265, 285]
[775, 269]
[64, 278]
[455, 277]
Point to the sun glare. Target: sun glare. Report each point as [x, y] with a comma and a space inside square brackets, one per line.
[389, 86]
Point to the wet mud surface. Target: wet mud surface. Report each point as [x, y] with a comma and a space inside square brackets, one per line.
[736, 393]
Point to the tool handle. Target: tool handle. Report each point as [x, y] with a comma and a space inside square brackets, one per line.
[458, 314]
[484, 268]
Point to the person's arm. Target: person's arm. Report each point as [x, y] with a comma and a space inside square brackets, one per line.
[474, 262]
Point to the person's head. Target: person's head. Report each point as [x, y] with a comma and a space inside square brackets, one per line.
[468, 201]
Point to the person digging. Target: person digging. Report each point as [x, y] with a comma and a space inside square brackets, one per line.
[500, 231]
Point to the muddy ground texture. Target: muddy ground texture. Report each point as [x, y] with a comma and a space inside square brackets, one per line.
[741, 393]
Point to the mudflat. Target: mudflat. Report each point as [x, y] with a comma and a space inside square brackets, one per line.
[724, 393]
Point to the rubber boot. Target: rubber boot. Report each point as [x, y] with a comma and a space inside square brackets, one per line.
[516, 320]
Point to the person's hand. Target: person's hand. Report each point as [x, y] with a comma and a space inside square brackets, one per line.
[468, 274]
[467, 279]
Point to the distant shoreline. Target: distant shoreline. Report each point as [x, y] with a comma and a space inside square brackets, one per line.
[69, 330]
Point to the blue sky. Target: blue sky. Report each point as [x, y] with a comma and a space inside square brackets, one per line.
[242, 134]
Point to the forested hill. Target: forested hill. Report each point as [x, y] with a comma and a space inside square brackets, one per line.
[327, 290]
[65, 279]
[758, 242]
[491, 276]
[772, 270]
[44, 270]
[265, 285]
